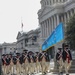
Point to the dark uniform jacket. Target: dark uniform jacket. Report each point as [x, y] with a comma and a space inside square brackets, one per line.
[14, 60]
[31, 57]
[37, 57]
[8, 60]
[26, 57]
[65, 55]
[46, 56]
[58, 56]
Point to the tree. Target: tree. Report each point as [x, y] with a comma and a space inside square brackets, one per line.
[70, 32]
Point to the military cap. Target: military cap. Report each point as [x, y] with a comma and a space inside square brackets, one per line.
[66, 46]
[30, 52]
[36, 52]
[17, 53]
[59, 48]
[25, 50]
[3, 54]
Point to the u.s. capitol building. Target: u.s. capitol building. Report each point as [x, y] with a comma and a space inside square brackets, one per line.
[53, 12]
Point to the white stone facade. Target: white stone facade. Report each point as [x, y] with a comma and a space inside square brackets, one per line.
[29, 40]
[8, 48]
[53, 12]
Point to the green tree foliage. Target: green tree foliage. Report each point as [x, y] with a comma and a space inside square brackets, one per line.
[70, 32]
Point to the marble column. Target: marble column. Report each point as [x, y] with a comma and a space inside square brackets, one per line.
[62, 1]
[55, 1]
[41, 29]
[57, 19]
[44, 29]
[58, 0]
[65, 19]
[74, 10]
[54, 21]
[62, 18]
[68, 15]
[71, 12]
[49, 26]
[51, 2]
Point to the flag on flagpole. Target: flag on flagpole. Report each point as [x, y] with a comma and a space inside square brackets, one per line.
[22, 25]
[56, 36]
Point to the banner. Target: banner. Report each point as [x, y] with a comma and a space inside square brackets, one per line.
[56, 36]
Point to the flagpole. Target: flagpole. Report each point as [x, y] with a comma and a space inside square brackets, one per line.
[21, 24]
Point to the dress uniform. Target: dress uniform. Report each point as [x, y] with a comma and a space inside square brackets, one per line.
[43, 62]
[4, 64]
[7, 64]
[11, 64]
[18, 65]
[26, 64]
[67, 58]
[47, 62]
[21, 62]
[31, 61]
[37, 62]
[59, 60]
[15, 62]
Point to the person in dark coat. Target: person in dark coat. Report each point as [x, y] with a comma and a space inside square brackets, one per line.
[59, 59]
[7, 63]
[4, 64]
[37, 62]
[67, 58]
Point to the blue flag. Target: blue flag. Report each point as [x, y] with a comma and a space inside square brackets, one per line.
[56, 36]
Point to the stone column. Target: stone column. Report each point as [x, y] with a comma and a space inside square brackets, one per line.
[65, 19]
[45, 28]
[49, 27]
[62, 1]
[57, 19]
[42, 29]
[58, 0]
[54, 21]
[68, 15]
[51, 24]
[55, 1]
[71, 12]
[74, 10]
[51, 2]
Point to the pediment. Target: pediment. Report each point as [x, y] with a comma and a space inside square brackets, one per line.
[19, 35]
[45, 10]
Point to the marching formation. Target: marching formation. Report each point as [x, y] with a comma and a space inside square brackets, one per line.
[26, 63]
[29, 63]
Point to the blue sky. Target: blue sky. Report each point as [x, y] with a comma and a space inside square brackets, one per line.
[11, 12]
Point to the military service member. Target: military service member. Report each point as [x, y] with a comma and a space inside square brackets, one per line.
[67, 58]
[59, 60]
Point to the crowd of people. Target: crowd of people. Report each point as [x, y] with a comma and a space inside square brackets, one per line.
[27, 63]
[30, 63]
